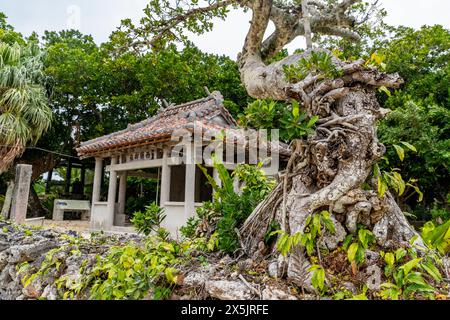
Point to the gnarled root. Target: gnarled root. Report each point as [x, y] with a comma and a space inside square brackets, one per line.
[328, 170]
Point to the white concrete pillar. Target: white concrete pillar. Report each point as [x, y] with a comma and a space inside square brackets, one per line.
[165, 178]
[111, 195]
[189, 189]
[97, 180]
[122, 192]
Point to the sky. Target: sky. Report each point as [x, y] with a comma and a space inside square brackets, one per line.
[100, 17]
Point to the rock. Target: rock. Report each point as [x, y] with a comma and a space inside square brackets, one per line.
[331, 241]
[4, 245]
[371, 257]
[50, 293]
[227, 290]
[272, 269]
[225, 260]
[271, 293]
[195, 279]
[350, 287]
[33, 290]
[29, 252]
[244, 265]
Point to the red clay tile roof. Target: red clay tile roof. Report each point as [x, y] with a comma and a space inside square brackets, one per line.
[161, 126]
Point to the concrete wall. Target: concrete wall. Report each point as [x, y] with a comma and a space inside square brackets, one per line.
[175, 217]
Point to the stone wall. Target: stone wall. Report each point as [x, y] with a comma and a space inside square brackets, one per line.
[20, 244]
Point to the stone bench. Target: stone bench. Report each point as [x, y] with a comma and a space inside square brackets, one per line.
[61, 205]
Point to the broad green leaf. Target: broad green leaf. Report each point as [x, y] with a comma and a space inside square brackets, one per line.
[385, 90]
[431, 269]
[348, 239]
[399, 254]
[382, 186]
[399, 183]
[312, 121]
[400, 151]
[318, 278]
[351, 252]
[389, 258]
[295, 109]
[407, 267]
[409, 146]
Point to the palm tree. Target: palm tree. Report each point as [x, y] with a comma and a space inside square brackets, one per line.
[24, 112]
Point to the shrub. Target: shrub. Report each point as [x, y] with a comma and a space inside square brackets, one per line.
[230, 209]
[149, 220]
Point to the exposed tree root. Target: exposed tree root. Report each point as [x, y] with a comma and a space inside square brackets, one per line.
[331, 170]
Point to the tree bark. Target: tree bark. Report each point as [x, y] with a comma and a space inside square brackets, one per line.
[328, 169]
[35, 205]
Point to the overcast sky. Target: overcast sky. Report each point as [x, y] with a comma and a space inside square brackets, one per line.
[100, 17]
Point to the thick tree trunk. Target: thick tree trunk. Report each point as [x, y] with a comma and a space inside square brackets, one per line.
[35, 205]
[328, 169]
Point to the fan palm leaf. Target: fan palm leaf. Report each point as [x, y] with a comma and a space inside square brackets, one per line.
[24, 111]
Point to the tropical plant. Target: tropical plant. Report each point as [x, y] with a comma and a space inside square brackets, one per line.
[392, 178]
[437, 237]
[319, 63]
[24, 114]
[409, 275]
[291, 122]
[149, 220]
[315, 226]
[356, 250]
[233, 207]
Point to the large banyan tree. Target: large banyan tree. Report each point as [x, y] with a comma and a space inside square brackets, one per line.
[330, 170]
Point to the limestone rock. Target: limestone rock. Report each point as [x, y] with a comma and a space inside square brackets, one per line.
[50, 293]
[29, 252]
[194, 279]
[331, 241]
[271, 293]
[272, 269]
[228, 290]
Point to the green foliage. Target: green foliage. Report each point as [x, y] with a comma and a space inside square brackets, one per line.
[437, 237]
[437, 212]
[426, 127]
[377, 61]
[190, 228]
[128, 271]
[409, 275]
[233, 208]
[24, 113]
[149, 220]
[392, 178]
[318, 63]
[7, 33]
[288, 119]
[356, 250]
[421, 57]
[159, 14]
[318, 278]
[315, 226]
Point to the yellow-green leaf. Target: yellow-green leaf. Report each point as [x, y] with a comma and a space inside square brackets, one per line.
[351, 252]
[400, 152]
[409, 146]
[407, 267]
